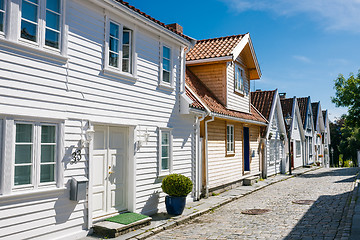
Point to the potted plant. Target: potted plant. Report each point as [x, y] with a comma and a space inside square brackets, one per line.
[177, 187]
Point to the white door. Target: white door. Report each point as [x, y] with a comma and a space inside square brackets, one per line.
[109, 170]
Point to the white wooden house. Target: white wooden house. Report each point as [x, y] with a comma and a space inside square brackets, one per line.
[319, 126]
[72, 68]
[268, 104]
[308, 125]
[297, 137]
[326, 138]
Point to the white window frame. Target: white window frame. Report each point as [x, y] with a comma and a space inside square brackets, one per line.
[237, 88]
[162, 83]
[163, 172]
[41, 28]
[230, 144]
[117, 71]
[298, 151]
[2, 33]
[36, 157]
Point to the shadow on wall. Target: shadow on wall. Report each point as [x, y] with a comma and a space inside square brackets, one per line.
[152, 204]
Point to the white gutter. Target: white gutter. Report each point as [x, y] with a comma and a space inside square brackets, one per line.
[209, 60]
[198, 158]
[239, 119]
[206, 156]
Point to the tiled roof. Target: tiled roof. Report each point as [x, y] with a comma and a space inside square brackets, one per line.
[315, 107]
[286, 106]
[262, 101]
[214, 47]
[324, 116]
[212, 103]
[303, 103]
[152, 19]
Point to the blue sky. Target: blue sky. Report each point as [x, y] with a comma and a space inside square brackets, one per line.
[301, 46]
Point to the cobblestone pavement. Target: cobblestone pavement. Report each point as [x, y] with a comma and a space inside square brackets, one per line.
[329, 188]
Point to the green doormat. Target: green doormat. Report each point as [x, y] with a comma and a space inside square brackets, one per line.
[126, 218]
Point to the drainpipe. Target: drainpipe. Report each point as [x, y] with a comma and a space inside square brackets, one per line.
[198, 158]
[206, 156]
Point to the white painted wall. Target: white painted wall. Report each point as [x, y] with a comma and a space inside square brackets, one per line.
[76, 91]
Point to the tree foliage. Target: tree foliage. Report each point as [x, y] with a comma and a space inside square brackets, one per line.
[348, 95]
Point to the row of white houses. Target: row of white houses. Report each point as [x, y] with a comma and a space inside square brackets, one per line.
[98, 92]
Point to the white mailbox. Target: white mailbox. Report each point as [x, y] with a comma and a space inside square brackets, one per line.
[78, 188]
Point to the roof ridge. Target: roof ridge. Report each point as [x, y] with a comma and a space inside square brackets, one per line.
[238, 35]
[264, 91]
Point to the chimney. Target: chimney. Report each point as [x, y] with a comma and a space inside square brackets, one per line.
[282, 95]
[176, 27]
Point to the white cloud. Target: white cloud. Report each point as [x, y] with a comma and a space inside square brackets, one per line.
[331, 14]
[302, 59]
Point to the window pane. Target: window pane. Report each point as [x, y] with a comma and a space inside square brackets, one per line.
[126, 37]
[23, 133]
[114, 30]
[113, 59]
[114, 44]
[166, 76]
[48, 134]
[23, 154]
[28, 30]
[126, 51]
[51, 38]
[2, 4]
[164, 163]
[22, 175]
[29, 11]
[165, 138]
[125, 65]
[1, 21]
[53, 20]
[166, 52]
[165, 151]
[47, 173]
[53, 5]
[166, 65]
[47, 153]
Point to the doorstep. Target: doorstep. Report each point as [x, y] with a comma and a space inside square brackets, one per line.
[108, 229]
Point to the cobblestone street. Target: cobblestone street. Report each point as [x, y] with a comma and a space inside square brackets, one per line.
[329, 188]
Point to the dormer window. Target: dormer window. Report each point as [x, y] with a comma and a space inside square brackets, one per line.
[239, 79]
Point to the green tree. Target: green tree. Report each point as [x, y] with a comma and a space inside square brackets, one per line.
[335, 135]
[348, 95]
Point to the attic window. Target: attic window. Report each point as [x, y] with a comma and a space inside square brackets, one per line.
[239, 79]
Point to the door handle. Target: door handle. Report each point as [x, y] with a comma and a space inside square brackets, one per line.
[111, 172]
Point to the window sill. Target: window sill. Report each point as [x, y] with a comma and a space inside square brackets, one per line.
[230, 154]
[34, 51]
[241, 93]
[31, 194]
[166, 86]
[164, 174]
[118, 74]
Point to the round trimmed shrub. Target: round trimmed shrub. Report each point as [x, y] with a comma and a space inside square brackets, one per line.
[177, 185]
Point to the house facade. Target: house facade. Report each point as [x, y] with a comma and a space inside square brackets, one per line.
[218, 80]
[297, 137]
[319, 127]
[90, 91]
[326, 138]
[308, 125]
[268, 104]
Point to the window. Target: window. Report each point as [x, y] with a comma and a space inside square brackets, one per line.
[165, 156]
[2, 15]
[310, 146]
[120, 47]
[298, 148]
[35, 154]
[31, 15]
[239, 78]
[230, 138]
[166, 63]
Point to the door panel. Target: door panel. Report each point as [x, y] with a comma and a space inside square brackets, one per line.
[109, 170]
[246, 149]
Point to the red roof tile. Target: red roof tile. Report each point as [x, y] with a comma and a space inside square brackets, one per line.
[214, 47]
[262, 101]
[212, 103]
[152, 19]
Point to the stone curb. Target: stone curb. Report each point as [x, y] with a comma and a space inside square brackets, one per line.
[187, 218]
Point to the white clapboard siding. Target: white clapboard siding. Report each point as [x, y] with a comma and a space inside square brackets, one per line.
[236, 101]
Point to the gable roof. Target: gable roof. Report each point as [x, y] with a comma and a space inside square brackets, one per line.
[315, 107]
[214, 47]
[262, 101]
[205, 99]
[287, 106]
[126, 4]
[303, 104]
